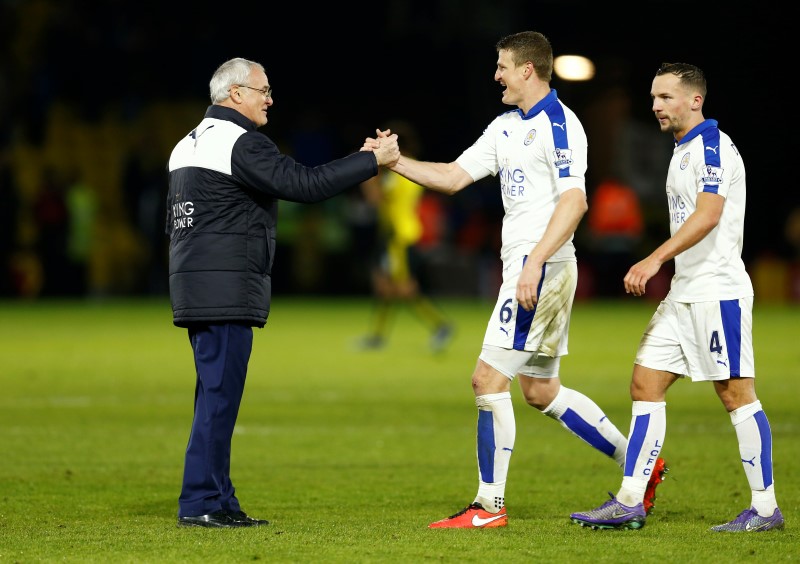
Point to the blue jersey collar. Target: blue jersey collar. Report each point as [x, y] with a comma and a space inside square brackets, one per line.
[542, 104]
[697, 130]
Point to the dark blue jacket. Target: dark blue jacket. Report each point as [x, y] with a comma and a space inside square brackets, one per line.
[225, 180]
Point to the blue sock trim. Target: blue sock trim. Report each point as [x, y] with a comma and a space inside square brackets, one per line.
[766, 447]
[587, 432]
[486, 445]
[635, 442]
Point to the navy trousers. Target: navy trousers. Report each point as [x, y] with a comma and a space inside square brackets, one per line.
[221, 354]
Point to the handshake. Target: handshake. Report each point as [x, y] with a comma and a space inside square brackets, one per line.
[385, 147]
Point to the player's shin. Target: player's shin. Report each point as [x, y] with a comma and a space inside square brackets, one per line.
[495, 442]
[582, 417]
[645, 440]
[755, 448]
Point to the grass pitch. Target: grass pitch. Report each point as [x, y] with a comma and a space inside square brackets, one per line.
[351, 454]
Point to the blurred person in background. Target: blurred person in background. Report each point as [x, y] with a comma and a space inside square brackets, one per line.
[703, 328]
[83, 209]
[142, 181]
[51, 215]
[225, 181]
[616, 226]
[397, 271]
[539, 152]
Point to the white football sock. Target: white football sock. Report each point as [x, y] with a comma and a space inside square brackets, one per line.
[584, 419]
[496, 434]
[755, 448]
[645, 440]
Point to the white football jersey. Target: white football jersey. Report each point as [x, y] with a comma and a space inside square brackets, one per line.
[706, 160]
[538, 156]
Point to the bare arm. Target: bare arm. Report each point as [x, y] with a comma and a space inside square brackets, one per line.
[568, 213]
[447, 178]
[702, 221]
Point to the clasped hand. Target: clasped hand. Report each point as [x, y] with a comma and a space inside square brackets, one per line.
[385, 147]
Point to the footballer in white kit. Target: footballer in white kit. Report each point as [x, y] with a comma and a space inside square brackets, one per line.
[704, 327]
[536, 156]
[538, 151]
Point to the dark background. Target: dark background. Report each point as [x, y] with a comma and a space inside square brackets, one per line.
[343, 69]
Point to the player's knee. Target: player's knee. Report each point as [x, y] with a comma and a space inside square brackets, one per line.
[488, 380]
[736, 393]
[639, 392]
[645, 392]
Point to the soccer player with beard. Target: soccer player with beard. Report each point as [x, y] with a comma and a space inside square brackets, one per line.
[703, 328]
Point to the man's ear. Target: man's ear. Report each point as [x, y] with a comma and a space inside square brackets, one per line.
[528, 69]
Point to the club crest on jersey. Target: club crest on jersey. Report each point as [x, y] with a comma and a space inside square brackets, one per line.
[530, 137]
[563, 158]
[711, 175]
[685, 161]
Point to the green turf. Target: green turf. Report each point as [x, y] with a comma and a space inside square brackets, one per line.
[351, 454]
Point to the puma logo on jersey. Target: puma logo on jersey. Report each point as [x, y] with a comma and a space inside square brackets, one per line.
[194, 135]
[712, 148]
[561, 125]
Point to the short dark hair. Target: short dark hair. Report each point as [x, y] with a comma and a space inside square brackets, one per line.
[689, 75]
[530, 46]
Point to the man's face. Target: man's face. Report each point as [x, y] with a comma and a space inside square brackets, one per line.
[510, 76]
[252, 102]
[672, 103]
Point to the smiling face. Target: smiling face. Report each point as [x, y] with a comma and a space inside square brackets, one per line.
[511, 77]
[250, 99]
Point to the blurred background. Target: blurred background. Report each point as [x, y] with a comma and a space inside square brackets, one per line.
[94, 95]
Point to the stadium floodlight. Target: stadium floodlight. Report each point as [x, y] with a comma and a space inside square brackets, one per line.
[573, 67]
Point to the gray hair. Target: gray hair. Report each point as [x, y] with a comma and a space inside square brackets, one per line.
[229, 73]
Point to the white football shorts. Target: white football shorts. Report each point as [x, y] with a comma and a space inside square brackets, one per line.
[510, 362]
[543, 331]
[706, 341]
